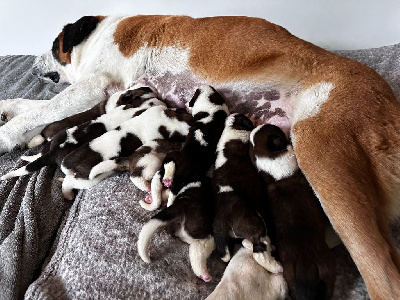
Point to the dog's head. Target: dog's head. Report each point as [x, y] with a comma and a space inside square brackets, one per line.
[272, 152]
[205, 102]
[239, 122]
[55, 64]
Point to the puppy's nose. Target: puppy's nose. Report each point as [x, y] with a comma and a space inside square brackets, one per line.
[53, 76]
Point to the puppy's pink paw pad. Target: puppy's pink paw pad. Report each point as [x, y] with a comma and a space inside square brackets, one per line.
[148, 199]
[206, 278]
[167, 182]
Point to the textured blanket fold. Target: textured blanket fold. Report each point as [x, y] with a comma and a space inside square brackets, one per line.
[53, 249]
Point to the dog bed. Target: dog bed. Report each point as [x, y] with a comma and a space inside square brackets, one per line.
[85, 249]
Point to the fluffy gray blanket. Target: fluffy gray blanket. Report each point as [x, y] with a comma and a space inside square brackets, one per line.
[53, 249]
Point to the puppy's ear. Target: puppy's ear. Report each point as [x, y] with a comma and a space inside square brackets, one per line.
[276, 143]
[243, 122]
[77, 32]
[194, 98]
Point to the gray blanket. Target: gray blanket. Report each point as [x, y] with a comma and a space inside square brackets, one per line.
[53, 249]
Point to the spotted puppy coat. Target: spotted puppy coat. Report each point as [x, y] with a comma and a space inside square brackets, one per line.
[239, 195]
[197, 155]
[297, 221]
[190, 218]
[158, 122]
[142, 164]
[121, 106]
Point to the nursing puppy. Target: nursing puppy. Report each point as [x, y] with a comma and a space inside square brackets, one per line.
[155, 123]
[245, 279]
[198, 152]
[190, 218]
[142, 164]
[297, 220]
[239, 195]
[343, 118]
[121, 106]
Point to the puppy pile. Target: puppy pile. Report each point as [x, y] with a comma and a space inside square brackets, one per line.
[221, 180]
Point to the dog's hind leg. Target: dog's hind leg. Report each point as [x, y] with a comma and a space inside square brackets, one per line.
[221, 237]
[357, 194]
[161, 219]
[199, 251]
[262, 254]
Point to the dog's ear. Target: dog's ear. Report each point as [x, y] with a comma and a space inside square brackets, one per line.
[243, 122]
[194, 98]
[276, 143]
[77, 32]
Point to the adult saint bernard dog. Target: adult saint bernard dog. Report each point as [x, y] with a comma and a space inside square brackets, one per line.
[342, 117]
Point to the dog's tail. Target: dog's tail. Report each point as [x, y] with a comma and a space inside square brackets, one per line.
[35, 165]
[161, 219]
[119, 164]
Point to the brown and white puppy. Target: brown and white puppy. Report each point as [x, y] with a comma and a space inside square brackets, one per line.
[245, 279]
[240, 195]
[142, 164]
[157, 122]
[296, 220]
[197, 155]
[190, 218]
[343, 118]
[121, 106]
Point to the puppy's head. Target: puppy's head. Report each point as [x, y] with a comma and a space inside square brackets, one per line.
[272, 152]
[239, 122]
[206, 101]
[132, 98]
[55, 65]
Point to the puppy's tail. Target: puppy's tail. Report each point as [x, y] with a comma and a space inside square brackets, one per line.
[161, 219]
[31, 167]
[107, 166]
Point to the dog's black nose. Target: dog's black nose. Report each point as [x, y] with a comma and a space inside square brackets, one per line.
[53, 76]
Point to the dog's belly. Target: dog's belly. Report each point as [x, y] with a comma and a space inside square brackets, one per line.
[262, 103]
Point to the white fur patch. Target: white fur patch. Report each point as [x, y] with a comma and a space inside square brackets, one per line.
[189, 186]
[31, 158]
[309, 102]
[156, 193]
[19, 172]
[70, 137]
[229, 134]
[102, 167]
[225, 189]
[145, 235]
[198, 135]
[169, 170]
[203, 104]
[280, 167]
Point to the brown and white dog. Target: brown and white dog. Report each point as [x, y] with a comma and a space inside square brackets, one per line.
[240, 196]
[295, 219]
[343, 118]
[190, 218]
